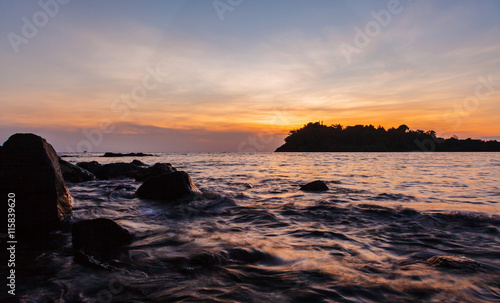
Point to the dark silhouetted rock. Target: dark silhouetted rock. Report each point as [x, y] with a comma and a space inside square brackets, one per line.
[110, 155]
[112, 170]
[154, 171]
[92, 166]
[138, 163]
[118, 170]
[168, 187]
[73, 173]
[317, 185]
[135, 170]
[29, 168]
[99, 235]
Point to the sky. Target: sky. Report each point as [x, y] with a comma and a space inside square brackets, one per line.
[237, 75]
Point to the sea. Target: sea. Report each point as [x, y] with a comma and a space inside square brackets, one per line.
[393, 227]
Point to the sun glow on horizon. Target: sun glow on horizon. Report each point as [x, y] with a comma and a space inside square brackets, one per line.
[146, 74]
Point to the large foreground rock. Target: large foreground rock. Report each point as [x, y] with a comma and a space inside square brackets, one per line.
[73, 173]
[168, 187]
[29, 169]
[99, 235]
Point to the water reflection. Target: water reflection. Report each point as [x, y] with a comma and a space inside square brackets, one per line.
[372, 237]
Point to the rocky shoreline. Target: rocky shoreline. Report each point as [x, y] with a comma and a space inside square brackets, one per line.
[30, 168]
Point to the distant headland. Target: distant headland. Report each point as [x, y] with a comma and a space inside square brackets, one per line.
[317, 137]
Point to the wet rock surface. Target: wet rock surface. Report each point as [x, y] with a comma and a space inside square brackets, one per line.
[29, 170]
[168, 187]
[317, 185]
[74, 173]
[99, 235]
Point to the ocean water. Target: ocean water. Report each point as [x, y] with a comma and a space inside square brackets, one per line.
[394, 227]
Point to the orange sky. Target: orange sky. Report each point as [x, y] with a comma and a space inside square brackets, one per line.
[434, 66]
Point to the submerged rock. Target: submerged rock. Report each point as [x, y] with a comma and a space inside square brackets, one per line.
[168, 187]
[454, 262]
[317, 185]
[91, 261]
[99, 235]
[74, 173]
[249, 256]
[30, 171]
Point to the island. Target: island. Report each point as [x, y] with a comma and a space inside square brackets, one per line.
[318, 137]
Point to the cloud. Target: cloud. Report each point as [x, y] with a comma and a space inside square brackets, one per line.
[238, 76]
[149, 139]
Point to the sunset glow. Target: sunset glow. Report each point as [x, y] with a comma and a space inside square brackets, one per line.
[176, 73]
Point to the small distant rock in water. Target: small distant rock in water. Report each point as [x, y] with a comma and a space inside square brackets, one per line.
[317, 185]
[168, 187]
[111, 155]
[99, 235]
[454, 262]
[30, 174]
[74, 173]
[138, 163]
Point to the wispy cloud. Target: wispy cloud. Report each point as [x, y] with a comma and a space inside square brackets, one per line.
[237, 75]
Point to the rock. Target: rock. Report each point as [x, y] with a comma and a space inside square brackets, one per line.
[29, 168]
[88, 260]
[92, 166]
[138, 163]
[168, 187]
[73, 173]
[126, 155]
[154, 171]
[317, 185]
[249, 256]
[118, 170]
[99, 235]
[454, 262]
[135, 170]
[112, 170]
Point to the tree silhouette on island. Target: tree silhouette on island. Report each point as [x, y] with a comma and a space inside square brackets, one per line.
[317, 137]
